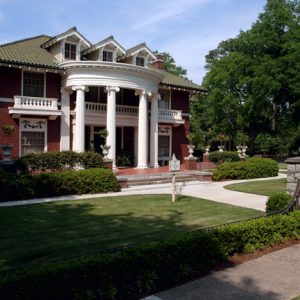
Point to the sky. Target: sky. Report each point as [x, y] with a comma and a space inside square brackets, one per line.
[187, 29]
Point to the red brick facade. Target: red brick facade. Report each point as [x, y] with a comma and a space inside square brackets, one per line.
[10, 86]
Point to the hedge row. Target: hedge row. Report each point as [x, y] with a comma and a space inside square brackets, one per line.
[225, 156]
[277, 202]
[147, 268]
[18, 186]
[253, 167]
[60, 161]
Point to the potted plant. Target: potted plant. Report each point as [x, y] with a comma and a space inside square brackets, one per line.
[7, 130]
[105, 148]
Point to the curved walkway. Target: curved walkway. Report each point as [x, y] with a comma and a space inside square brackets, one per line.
[208, 190]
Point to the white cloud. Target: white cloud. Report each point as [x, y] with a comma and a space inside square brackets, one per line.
[167, 10]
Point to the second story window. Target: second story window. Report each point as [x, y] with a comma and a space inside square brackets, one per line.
[140, 61]
[70, 51]
[107, 56]
[33, 84]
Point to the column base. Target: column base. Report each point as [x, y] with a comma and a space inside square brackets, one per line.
[139, 167]
[155, 166]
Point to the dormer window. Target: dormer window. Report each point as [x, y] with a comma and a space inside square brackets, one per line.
[70, 51]
[107, 55]
[140, 61]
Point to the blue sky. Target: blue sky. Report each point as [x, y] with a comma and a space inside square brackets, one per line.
[187, 29]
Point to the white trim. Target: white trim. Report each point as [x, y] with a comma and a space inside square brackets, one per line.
[186, 115]
[45, 130]
[9, 100]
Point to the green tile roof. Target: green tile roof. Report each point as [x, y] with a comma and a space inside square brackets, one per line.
[180, 82]
[28, 52]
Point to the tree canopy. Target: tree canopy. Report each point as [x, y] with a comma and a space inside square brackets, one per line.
[253, 81]
[170, 66]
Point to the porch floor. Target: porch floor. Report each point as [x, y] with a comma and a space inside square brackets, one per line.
[165, 169]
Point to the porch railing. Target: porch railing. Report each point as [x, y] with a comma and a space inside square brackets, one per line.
[165, 114]
[27, 102]
[170, 114]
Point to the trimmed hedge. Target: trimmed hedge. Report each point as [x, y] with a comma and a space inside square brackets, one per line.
[17, 186]
[253, 167]
[225, 156]
[277, 202]
[148, 268]
[60, 161]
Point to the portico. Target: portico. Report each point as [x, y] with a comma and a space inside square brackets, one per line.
[144, 84]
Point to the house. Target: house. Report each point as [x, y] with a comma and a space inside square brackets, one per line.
[60, 91]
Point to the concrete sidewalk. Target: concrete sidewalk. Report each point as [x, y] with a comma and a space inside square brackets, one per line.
[208, 190]
[274, 276]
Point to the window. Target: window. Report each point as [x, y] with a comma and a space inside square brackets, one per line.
[107, 55]
[70, 51]
[32, 142]
[164, 102]
[140, 61]
[164, 146]
[33, 84]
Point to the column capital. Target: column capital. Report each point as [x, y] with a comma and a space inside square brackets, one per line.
[80, 87]
[112, 89]
[140, 92]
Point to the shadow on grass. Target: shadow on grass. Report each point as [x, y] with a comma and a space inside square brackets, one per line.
[55, 231]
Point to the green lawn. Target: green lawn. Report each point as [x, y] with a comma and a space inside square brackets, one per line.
[45, 232]
[282, 165]
[260, 187]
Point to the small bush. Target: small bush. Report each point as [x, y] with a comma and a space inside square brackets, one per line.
[17, 187]
[277, 202]
[253, 167]
[147, 268]
[61, 161]
[225, 156]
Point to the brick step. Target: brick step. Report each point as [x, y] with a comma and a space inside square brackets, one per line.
[158, 181]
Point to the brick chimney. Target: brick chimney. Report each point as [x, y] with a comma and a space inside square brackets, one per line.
[159, 61]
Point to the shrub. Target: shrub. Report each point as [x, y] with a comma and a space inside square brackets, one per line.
[225, 156]
[147, 268]
[60, 161]
[16, 187]
[277, 202]
[253, 167]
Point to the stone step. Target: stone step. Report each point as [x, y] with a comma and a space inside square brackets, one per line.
[146, 179]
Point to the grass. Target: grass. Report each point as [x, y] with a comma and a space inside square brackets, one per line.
[260, 187]
[282, 165]
[51, 231]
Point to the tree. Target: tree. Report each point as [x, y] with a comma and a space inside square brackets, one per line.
[170, 66]
[253, 80]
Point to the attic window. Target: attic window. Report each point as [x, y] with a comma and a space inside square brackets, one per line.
[107, 55]
[70, 51]
[140, 61]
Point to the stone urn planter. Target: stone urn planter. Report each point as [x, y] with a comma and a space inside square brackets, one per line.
[239, 150]
[221, 148]
[191, 151]
[105, 150]
[244, 149]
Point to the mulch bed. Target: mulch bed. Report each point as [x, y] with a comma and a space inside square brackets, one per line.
[243, 257]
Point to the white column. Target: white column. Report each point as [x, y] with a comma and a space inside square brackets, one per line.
[143, 131]
[136, 138]
[111, 123]
[80, 118]
[65, 121]
[154, 132]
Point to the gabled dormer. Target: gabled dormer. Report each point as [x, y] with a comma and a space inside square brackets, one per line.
[139, 55]
[107, 50]
[67, 45]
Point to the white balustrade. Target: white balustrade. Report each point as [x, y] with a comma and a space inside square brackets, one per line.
[170, 114]
[120, 109]
[27, 102]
